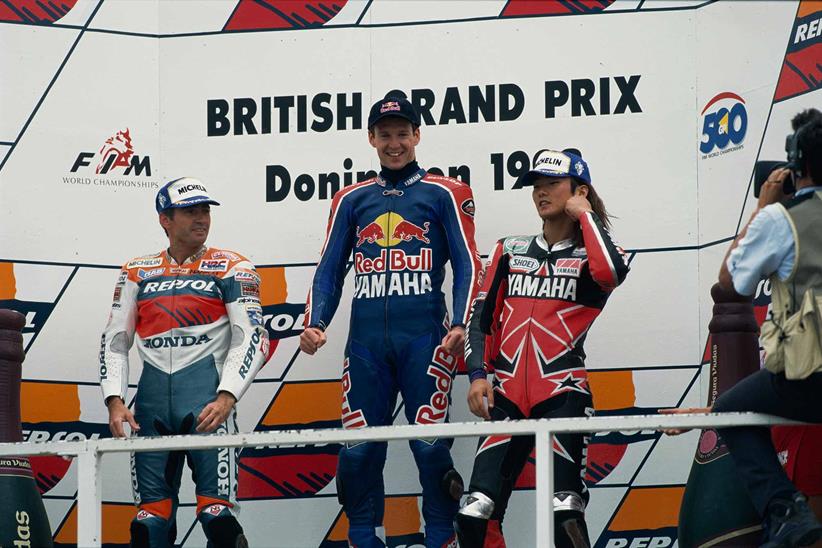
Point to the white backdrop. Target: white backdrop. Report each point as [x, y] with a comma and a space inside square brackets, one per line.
[655, 71]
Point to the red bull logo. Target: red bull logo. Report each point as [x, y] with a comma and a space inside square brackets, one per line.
[372, 233]
[407, 231]
[396, 260]
[442, 368]
[389, 229]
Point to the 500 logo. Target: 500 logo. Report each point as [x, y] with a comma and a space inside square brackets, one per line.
[724, 122]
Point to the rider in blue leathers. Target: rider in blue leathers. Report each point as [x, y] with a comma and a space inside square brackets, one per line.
[402, 226]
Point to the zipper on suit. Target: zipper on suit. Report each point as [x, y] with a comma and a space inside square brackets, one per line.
[388, 263]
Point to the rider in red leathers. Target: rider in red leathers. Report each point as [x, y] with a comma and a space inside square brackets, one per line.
[539, 298]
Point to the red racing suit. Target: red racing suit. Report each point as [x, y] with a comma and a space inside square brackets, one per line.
[528, 324]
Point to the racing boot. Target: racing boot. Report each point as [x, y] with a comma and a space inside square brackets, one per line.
[474, 526]
[151, 531]
[221, 528]
[570, 530]
[365, 536]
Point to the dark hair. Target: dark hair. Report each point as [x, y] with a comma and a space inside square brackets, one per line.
[597, 205]
[808, 124]
[168, 212]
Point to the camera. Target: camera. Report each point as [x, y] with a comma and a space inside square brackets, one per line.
[763, 168]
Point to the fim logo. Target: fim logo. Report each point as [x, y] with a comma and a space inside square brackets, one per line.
[116, 152]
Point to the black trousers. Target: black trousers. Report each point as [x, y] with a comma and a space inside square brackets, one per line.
[500, 459]
[751, 447]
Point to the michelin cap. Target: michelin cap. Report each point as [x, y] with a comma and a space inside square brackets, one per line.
[395, 103]
[183, 192]
[555, 163]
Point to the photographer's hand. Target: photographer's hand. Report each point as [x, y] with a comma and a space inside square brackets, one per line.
[771, 191]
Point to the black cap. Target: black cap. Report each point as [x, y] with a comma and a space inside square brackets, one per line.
[395, 103]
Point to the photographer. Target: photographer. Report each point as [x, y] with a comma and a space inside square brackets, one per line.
[783, 242]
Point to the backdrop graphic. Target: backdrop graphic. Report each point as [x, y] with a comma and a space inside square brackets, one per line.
[101, 101]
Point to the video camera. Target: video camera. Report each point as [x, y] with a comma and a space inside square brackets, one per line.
[795, 162]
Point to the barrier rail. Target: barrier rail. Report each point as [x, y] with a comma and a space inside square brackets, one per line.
[89, 452]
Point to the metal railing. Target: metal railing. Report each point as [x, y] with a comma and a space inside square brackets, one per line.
[89, 452]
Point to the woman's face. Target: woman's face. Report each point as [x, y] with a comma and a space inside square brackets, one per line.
[550, 195]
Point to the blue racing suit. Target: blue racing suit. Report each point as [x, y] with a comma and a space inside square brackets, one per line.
[402, 228]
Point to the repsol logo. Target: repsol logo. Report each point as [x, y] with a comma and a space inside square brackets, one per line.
[44, 435]
[103, 368]
[168, 285]
[640, 542]
[248, 360]
[174, 342]
[284, 320]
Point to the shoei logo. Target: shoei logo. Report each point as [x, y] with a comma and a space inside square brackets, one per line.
[724, 122]
[523, 264]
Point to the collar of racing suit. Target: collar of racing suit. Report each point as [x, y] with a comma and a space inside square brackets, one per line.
[560, 245]
[394, 176]
[191, 259]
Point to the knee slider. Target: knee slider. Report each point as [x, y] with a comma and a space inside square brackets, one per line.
[452, 484]
[477, 505]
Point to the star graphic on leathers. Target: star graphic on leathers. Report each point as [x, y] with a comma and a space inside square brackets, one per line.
[568, 383]
[527, 338]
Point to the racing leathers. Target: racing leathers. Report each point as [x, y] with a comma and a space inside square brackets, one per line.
[528, 324]
[402, 228]
[199, 330]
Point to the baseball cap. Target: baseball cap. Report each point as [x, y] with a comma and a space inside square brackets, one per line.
[182, 192]
[395, 103]
[555, 163]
